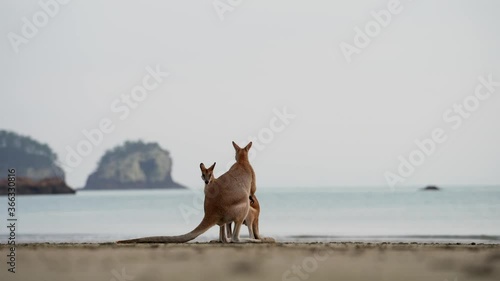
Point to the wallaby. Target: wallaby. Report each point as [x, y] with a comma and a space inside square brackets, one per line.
[207, 175]
[226, 200]
[252, 219]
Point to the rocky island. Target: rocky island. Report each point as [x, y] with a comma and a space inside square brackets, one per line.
[431, 188]
[133, 165]
[35, 164]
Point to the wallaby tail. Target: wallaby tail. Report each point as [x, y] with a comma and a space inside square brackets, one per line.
[204, 225]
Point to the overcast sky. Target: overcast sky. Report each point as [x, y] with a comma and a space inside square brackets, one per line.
[228, 78]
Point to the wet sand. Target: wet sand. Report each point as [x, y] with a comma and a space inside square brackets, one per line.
[279, 261]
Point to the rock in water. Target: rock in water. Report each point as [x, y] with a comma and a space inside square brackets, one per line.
[431, 188]
[25, 186]
[35, 166]
[133, 165]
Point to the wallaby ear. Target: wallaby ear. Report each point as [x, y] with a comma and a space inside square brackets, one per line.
[211, 168]
[247, 148]
[236, 146]
[202, 166]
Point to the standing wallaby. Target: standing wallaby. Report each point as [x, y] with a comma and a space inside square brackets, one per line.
[226, 200]
[252, 219]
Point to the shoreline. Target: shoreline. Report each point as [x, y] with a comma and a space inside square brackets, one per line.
[416, 239]
[278, 244]
[273, 261]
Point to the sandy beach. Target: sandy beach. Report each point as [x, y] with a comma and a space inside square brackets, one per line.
[279, 261]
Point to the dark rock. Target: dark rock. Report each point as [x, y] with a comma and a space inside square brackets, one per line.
[35, 165]
[134, 165]
[431, 188]
[25, 186]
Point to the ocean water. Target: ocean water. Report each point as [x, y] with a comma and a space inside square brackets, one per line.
[457, 214]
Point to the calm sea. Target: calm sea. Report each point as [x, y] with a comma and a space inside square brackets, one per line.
[292, 214]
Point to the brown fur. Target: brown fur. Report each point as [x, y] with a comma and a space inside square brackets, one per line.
[226, 200]
[207, 175]
[252, 219]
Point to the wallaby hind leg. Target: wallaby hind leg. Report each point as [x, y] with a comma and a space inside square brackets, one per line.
[236, 235]
[250, 229]
[222, 234]
[255, 228]
[229, 231]
[236, 232]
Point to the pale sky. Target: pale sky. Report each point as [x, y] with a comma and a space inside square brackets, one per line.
[352, 120]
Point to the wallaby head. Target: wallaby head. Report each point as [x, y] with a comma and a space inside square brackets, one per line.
[207, 175]
[241, 153]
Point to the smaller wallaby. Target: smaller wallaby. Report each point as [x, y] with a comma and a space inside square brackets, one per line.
[207, 175]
